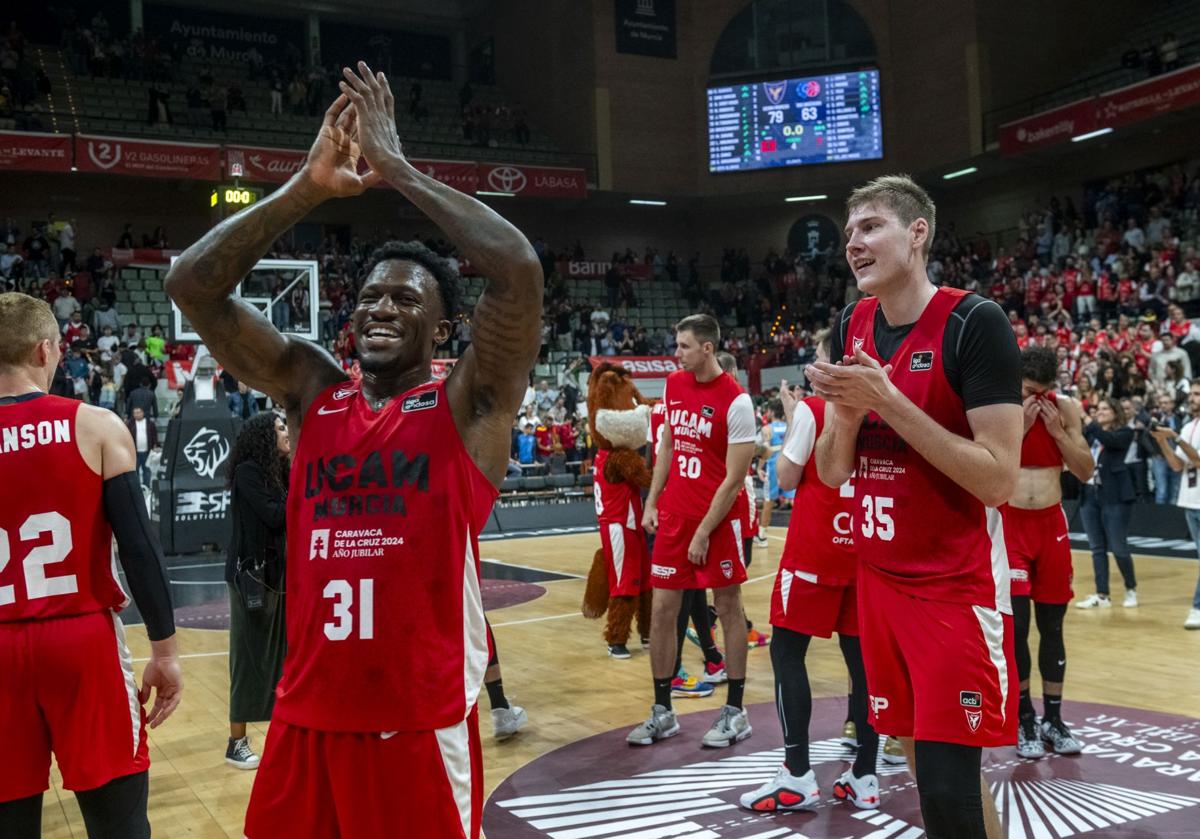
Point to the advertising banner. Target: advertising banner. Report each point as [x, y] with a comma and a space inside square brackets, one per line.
[147, 158]
[539, 181]
[23, 151]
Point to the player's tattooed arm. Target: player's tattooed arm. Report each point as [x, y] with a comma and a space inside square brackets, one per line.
[488, 382]
[202, 280]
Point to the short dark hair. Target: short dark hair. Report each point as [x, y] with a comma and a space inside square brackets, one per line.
[1039, 364]
[775, 406]
[704, 327]
[448, 280]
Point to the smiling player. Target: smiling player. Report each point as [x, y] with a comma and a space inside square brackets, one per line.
[393, 478]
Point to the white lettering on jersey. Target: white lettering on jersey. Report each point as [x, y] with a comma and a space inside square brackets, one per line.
[16, 437]
[689, 424]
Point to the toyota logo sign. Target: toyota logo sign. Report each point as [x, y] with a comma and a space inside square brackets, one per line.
[506, 179]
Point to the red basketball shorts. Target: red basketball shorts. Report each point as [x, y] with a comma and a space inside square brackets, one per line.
[67, 686]
[937, 671]
[1039, 553]
[403, 784]
[628, 559]
[724, 565]
[802, 604]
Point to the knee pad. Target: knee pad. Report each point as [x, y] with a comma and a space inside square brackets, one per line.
[1020, 607]
[1052, 650]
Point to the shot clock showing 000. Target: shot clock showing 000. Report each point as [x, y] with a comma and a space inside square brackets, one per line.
[234, 196]
[822, 119]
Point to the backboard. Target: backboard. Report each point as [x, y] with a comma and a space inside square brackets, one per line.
[287, 291]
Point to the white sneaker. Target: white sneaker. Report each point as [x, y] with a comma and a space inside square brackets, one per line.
[1096, 601]
[238, 753]
[862, 792]
[784, 792]
[508, 721]
[1193, 620]
[1130, 599]
[760, 541]
[661, 725]
[732, 726]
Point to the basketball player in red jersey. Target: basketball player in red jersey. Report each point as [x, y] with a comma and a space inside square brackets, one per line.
[924, 411]
[814, 595]
[68, 683]
[1039, 547]
[707, 442]
[376, 730]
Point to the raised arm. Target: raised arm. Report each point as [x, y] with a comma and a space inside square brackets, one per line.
[203, 278]
[487, 384]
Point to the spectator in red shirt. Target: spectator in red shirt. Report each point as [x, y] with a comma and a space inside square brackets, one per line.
[545, 440]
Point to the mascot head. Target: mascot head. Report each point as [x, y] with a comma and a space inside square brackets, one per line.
[206, 451]
[618, 414]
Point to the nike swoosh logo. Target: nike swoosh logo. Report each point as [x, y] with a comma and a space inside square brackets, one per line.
[675, 401]
[1061, 663]
[322, 410]
[387, 735]
[1064, 536]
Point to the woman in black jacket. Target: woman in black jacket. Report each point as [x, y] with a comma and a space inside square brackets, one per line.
[254, 571]
[1107, 502]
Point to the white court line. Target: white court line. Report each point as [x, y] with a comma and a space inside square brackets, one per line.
[188, 655]
[537, 620]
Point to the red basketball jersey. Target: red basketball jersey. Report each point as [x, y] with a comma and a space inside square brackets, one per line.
[55, 542]
[698, 414]
[658, 419]
[924, 533]
[820, 537]
[619, 503]
[1038, 448]
[384, 617]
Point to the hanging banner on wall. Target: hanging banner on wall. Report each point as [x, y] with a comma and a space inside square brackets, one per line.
[24, 151]
[220, 36]
[645, 27]
[147, 158]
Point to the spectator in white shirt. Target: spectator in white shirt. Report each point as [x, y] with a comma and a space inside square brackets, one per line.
[64, 305]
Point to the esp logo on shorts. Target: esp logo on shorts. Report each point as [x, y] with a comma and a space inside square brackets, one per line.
[921, 361]
[420, 401]
[727, 568]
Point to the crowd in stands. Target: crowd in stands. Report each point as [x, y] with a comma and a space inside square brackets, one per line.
[21, 82]
[1109, 284]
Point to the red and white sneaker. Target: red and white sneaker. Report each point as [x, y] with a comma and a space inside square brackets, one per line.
[784, 792]
[862, 792]
[714, 674]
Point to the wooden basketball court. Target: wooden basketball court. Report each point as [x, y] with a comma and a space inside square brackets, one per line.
[555, 665]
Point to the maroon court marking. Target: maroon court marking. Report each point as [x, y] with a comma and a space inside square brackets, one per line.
[500, 594]
[1139, 776]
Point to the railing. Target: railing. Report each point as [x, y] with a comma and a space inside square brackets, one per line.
[1189, 53]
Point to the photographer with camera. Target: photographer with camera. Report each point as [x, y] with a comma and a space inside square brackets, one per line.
[1179, 452]
[254, 572]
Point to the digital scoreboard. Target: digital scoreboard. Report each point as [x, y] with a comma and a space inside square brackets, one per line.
[821, 119]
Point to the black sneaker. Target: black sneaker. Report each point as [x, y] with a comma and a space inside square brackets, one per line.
[618, 651]
[1059, 738]
[238, 753]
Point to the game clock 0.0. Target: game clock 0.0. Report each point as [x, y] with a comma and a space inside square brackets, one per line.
[233, 197]
[792, 122]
